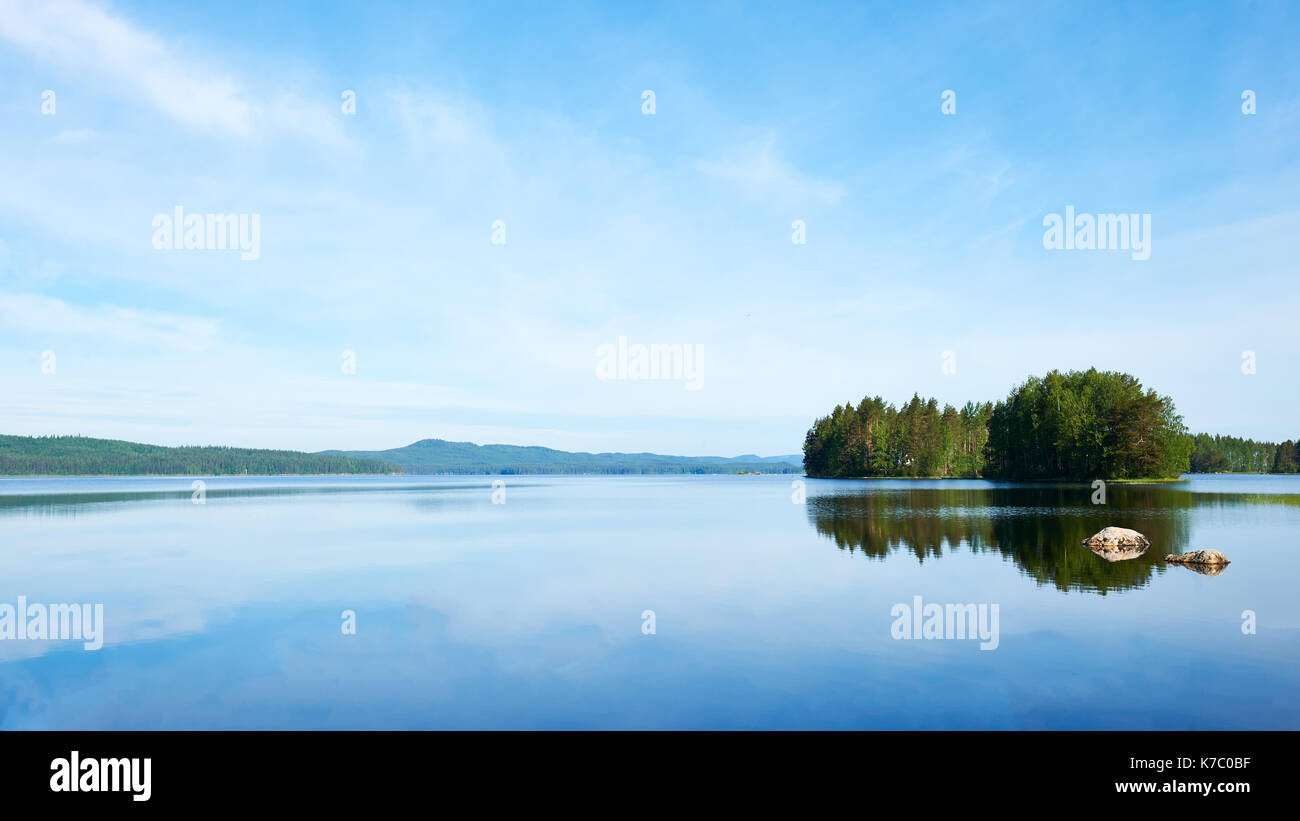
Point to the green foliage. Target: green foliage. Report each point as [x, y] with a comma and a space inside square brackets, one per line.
[875, 439]
[1230, 454]
[81, 456]
[929, 521]
[76, 455]
[1085, 425]
[1076, 425]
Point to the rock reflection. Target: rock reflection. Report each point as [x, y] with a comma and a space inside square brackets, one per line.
[1118, 553]
[1206, 569]
[1039, 527]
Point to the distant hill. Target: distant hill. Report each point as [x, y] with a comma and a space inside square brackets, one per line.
[82, 456]
[441, 456]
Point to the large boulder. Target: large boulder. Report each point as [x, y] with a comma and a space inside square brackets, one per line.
[1113, 538]
[1199, 558]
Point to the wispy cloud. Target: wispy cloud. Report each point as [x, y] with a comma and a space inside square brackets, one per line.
[142, 66]
[441, 130]
[922, 229]
[82, 36]
[48, 315]
[759, 171]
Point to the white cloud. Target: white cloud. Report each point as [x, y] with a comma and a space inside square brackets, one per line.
[84, 37]
[758, 170]
[295, 115]
[47, 315]
[444, 130]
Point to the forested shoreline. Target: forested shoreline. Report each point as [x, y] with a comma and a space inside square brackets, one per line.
[83, 456]
[1231, 454]
[1076, 425]
[429, 456]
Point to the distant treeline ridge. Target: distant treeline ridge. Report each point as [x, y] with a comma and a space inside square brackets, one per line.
[83, 456]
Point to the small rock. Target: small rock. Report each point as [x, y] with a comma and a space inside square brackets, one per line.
[1198, 557]
[1117, 537]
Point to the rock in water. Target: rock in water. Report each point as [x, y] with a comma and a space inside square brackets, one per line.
[1117, 537]
[1210, 558]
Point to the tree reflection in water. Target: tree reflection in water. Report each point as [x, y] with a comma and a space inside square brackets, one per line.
[1039, 527]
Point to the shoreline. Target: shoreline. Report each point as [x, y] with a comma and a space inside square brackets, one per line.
[333, 475]
[1059, 480]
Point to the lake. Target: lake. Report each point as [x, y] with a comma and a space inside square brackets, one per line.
[767, 610]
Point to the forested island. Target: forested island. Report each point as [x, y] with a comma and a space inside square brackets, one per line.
[1076, 425]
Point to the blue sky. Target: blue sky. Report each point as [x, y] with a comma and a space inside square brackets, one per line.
[924, 230]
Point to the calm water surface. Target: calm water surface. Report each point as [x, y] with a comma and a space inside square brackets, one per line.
[529, 614]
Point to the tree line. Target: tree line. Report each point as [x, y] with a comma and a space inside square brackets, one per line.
[1231, 454]
[438, 456]
[1074, 425]
[82, 456]
[876, 439]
